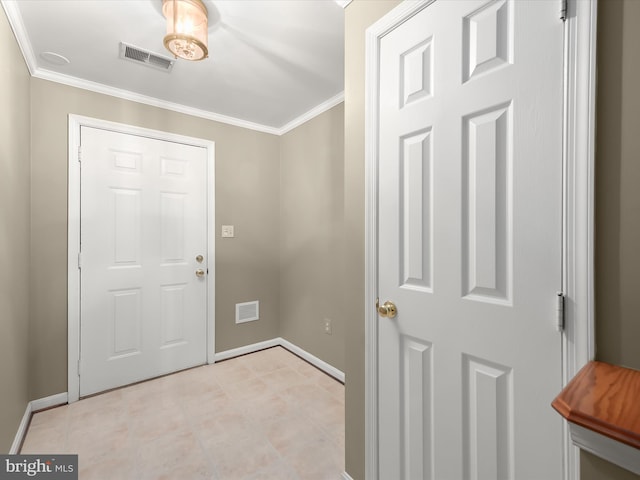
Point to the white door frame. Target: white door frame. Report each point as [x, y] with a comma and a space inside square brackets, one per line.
[578, 345]
[73, 246]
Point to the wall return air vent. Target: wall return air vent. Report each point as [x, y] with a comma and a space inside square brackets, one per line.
[247, 312]
[145, 57]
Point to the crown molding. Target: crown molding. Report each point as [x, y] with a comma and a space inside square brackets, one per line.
[20, 32]
[343, 3]
[314, 112]
[152, 101]
[179, 108]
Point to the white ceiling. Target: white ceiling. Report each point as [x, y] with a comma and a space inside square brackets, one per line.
[272, 63]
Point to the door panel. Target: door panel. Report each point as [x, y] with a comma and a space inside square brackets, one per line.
[469, 241]
[486, 205]
[487, 419]
[416, 216]
[418, 397]
[143, 222]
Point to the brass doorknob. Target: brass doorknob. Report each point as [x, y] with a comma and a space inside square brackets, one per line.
[387, 309]
[200, 273]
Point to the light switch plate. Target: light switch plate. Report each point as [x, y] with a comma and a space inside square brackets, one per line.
[227, 231]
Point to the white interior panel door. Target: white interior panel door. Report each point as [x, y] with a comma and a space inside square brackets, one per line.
[143, 223]
[469, 242]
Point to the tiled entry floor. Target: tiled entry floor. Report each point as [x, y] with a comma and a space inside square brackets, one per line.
[267, 415]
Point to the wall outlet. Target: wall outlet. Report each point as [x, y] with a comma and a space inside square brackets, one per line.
[327, 326]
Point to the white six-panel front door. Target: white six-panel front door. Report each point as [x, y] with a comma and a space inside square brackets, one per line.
[143, 223]
[469, 242]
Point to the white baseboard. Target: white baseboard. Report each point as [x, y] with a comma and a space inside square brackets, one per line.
[313, 360]
[22, 431]
[346, 476]
[274, 342]
[255, 347]
[34, 406]
[48, 402]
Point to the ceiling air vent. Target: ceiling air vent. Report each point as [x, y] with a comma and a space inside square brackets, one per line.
[144, 57]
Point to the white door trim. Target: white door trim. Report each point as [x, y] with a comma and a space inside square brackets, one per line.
[73, 245]
[578, 218]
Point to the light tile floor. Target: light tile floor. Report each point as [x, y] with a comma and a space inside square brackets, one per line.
[267, 415]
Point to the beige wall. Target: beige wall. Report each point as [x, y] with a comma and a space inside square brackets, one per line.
[617, 180]
[617, 199]
[359, 15]
[247, 196]
[14, 235]
[311, 222]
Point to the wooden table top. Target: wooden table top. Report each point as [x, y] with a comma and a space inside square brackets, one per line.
[604, 398]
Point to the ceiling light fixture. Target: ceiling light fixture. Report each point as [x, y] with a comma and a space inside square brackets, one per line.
[187, 28]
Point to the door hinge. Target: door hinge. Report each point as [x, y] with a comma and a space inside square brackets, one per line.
[78, 367]
[563, 10]
[79, 153]
[79, 260]
[560, 311]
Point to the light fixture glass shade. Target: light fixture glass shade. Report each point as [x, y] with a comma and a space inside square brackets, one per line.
[187, 28]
